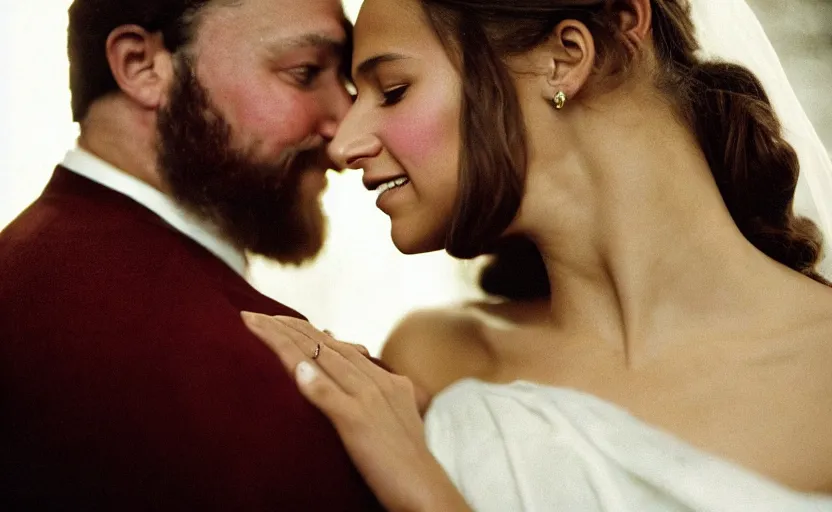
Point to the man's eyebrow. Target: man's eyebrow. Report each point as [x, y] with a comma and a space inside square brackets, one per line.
[369, 65]
[329, 43]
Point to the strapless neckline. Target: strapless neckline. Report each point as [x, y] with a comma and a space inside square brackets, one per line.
[479, 430]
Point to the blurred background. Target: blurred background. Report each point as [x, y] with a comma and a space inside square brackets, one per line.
[360, 286]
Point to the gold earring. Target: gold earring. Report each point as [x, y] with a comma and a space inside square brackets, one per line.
[559, 101]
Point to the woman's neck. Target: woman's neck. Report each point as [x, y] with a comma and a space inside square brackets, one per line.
[637, 240]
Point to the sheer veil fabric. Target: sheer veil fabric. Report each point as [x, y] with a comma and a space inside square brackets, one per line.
[729, 30]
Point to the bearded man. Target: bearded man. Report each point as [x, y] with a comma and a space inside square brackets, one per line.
[129, 381]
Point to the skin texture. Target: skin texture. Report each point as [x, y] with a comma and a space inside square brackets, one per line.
[659, 304]
[437, 347]
[404, 121]
[251, 66]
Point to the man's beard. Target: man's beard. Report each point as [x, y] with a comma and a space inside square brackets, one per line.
[257, 206]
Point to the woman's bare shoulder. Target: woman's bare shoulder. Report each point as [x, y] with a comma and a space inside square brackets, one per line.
[436, 347]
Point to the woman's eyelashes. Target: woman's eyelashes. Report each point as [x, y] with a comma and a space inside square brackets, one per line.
[388, 96]
[393, 95]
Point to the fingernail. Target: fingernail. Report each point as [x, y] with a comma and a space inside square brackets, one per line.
[305, 373]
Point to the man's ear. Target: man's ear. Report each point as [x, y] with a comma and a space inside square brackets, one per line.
[570, 55]
[141, 65]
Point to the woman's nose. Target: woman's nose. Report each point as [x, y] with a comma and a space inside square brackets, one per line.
[350, 149]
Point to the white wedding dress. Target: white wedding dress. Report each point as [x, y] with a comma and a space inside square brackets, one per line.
[529, 447]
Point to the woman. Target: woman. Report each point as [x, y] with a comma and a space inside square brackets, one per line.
[685, 362]
[517, 303]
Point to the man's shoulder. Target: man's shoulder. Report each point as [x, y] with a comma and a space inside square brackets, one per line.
[84, 261]
[67, 239]
[59, 242]
[59, 220]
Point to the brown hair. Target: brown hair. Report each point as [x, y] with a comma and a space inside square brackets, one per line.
[515, 271]
[92, 21]
[724, 104]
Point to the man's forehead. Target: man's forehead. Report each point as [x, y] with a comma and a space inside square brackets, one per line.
[294, 22]
[287, 42]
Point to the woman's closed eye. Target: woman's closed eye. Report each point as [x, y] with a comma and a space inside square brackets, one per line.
[393, 95]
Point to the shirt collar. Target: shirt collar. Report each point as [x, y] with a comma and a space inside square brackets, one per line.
[86, 164]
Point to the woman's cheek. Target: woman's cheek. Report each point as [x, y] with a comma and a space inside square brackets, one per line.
[423, 136]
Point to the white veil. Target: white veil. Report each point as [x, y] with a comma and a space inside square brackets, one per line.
[728, 30]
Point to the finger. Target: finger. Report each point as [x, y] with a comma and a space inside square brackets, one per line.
[277, 337]
[327, 395]
[348, 350]
[307, 339]
[360, 348]
[359, 356]
[342, 370]
[390, 383]
[312, 382]
[305, 328]
[398, 391]
[371, 387]
[308, 345]
[315, 336]
[359, 375]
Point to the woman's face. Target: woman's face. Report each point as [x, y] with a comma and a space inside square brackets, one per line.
[403, 129]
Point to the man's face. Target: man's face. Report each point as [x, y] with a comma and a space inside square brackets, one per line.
[257, 96]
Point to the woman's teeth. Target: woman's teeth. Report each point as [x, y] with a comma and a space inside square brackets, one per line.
[398, 182]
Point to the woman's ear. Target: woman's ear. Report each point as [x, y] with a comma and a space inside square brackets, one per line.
[570, 56]
[635, 19]
[140, 64]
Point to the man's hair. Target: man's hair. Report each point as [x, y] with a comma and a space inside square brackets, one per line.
[92, 21]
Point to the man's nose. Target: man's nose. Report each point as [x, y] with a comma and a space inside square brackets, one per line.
[337, 103]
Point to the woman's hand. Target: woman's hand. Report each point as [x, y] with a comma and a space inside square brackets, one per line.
[375, 413]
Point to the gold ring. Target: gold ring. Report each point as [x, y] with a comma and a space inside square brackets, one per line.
[317, 353]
